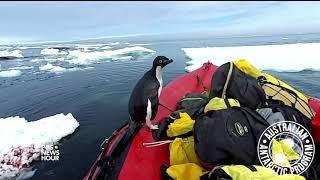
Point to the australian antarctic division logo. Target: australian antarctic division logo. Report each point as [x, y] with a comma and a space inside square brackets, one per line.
[286, 147]
[50, 153]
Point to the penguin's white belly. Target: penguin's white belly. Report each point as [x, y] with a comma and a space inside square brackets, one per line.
[159, 78]
[160, 89]
[149, 111]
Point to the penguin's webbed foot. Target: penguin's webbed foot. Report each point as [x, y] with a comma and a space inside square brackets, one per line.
[153, 127]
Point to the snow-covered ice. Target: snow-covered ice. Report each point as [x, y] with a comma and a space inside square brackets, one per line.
[21, 140]
[10, 73]
[285, 57]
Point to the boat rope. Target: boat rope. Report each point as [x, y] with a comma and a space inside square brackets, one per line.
[224, 91]
[157, 143]
[201, 83]
[166, 107]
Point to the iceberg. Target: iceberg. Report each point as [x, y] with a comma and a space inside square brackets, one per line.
[285, 57]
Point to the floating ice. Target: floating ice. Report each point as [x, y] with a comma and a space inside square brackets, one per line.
[21, 68]
[106, 47]
[14, 53]
[21, 141]
[285, 57]
[52, 51]
[139, 44]
[80, 57]
[125, 57]
[10, 73]
[28, 47]
[36, 60]
[58, 69]
[51, 68]
[46, 67]
[113, 43]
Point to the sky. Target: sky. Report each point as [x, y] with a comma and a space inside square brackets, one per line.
[66, 21]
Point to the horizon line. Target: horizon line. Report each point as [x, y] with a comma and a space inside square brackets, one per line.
[151, 34]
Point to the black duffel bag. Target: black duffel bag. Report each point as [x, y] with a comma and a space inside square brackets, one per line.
[228, 136]
[229, 82]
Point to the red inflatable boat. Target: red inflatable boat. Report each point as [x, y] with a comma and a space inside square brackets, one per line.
[139, 162]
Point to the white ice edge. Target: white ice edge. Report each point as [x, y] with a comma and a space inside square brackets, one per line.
[13, 53]
[81, 57]
[21, 68]
[285, 57]
[10, 73]
[52, 51]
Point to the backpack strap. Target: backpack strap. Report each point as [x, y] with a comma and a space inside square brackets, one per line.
[215, 174]
[226, 101]
[224, 91]
[201, 83]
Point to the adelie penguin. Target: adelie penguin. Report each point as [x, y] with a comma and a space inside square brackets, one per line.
[144, 100]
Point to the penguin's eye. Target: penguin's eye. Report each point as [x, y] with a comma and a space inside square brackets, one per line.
[160, 61]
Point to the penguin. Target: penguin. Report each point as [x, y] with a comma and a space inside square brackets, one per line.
[143, 102]
[144, 99]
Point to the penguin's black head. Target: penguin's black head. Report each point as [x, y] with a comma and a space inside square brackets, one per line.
[161, 61]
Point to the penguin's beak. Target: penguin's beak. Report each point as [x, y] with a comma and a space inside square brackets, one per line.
[166, 62]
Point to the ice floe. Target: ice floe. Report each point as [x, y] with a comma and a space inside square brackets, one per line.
[14, 53]
[285, 57]
[10, 73]
[80, 57]
[52, 51]
[21, 68]
[21, 140]
[51, 68]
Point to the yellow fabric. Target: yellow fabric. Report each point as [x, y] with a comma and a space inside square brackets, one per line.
[219, 103]
[182, 151]
[285, 85]
[282, 153]
[180, 126]
[188, 171]
[247, 68]
[240, 172]
[276, 92]
[288, 151]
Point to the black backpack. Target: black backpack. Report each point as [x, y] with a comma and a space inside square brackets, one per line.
[228, 136]
[229, 82]
[193, 104]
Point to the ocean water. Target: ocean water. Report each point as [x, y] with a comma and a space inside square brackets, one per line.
[93, 81]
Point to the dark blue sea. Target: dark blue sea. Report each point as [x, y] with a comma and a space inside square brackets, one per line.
[42, 80]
